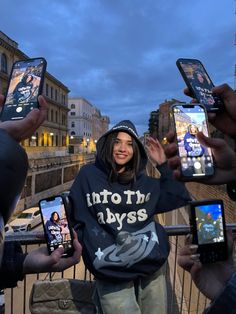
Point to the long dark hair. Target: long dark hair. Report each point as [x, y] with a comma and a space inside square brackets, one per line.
[58, 217]
[131, 168]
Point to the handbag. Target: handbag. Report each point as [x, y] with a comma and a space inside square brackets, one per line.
[62, 296]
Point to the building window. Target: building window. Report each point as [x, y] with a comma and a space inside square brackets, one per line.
[47, 89]
[52, 115]
[52, 92]
[56, 94]
[72, 113]
[72, 124]
[72, 133]
[72, 106]
[63, 99]
[56, 116]
[4, 63]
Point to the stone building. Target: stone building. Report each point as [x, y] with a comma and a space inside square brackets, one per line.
[52, 136]
[86, 124]
[51, 168]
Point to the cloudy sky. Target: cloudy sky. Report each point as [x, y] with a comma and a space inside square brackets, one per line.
[120, 54]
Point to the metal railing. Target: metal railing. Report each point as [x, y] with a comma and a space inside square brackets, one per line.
[183, 296]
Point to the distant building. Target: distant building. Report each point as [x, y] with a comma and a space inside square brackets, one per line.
[85, 122]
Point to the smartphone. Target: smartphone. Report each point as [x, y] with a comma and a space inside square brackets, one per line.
[199, 83]
[188, 120]
[57, 230]
[207, 222]
[24, 87]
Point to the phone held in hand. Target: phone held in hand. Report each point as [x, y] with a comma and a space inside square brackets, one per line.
[24, 87]
[196, 159]
[57, 230]
[207, 222]
[199, 83]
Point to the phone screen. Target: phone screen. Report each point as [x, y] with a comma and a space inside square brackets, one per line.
[209, 220]
[26, 83]
[196, 160]
[209, 230]
[56, 225]
[199, 83]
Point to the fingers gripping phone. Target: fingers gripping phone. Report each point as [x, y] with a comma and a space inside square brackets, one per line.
[188, 120]
[25, 85]
[57, 230]
[207, 221]
[199, 83]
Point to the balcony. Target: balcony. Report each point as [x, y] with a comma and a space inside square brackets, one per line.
[183, 296]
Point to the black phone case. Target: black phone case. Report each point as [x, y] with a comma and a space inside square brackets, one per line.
[218, 105]
[173, 122]
[213, 252]
[10, 113]
[70, 251]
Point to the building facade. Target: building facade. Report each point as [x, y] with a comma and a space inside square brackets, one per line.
[86, 124]
[53, 132]
[52, 167]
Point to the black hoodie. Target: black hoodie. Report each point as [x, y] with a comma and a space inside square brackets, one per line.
[115, 222]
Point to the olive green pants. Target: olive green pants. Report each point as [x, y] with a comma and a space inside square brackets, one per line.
[146, 295]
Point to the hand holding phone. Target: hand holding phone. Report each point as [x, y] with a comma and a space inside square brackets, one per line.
[207, 222]
[25, 85]
[196, 159]
[199, 83]
[56, 224]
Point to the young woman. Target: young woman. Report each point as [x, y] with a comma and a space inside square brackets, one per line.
[191, 143]
[53, 229]
[113, 206]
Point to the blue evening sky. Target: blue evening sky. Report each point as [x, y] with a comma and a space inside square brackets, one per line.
[120, 54]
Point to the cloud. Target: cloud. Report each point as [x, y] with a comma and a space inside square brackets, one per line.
[121, 55]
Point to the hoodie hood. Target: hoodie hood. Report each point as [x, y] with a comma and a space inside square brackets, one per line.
[128, 127]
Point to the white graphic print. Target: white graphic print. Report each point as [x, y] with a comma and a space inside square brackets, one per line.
[129, 249]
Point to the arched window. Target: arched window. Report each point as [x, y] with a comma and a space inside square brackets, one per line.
[72, 133]
[4, 63]
[72, 106]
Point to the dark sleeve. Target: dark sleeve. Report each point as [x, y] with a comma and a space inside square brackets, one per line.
[13, 171]
[226, 301]
[173, 193]
[11, 270]
[78, 205]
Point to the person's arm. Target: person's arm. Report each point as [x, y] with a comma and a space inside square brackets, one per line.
[23, 129]
[225, 120]
[224, 159]
[226, 301]
[173, 193]
[211, 279]
[13, 158]
[13, 170]
[155, 151]
[11, 270]
[16, 264]
[39, 261]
